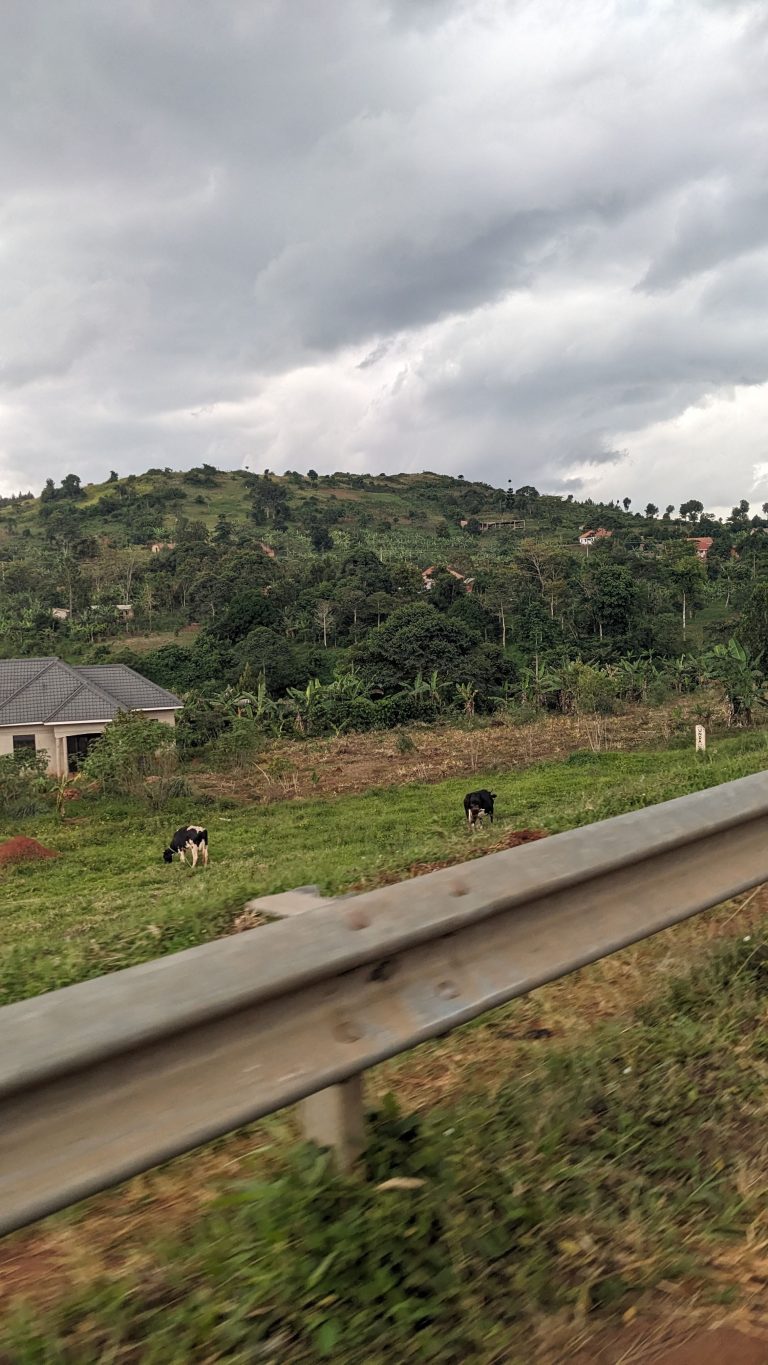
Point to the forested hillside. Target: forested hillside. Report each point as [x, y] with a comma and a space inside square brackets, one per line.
[257, 584]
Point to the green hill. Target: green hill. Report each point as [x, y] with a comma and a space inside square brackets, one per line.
[211, 576]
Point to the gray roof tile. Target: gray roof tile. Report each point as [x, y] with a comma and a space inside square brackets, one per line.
[133, 692]
[39, 691]
[16, 673]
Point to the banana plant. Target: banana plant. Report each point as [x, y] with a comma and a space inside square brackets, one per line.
[466, 693]
[740, 679]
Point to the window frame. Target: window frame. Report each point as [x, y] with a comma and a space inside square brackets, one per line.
[23, 744]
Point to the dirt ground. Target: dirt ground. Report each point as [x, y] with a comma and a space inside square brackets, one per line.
[288, 769]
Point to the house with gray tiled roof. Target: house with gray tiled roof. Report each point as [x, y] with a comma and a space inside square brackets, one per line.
[46, 705]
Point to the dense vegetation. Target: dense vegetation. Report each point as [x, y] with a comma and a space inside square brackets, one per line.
[300, 603]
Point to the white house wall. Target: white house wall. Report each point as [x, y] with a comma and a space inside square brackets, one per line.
[53, 738]
[43, 741]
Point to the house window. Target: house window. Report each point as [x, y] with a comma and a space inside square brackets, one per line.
[23, 743]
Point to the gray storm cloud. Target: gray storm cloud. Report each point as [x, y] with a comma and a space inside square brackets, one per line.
[526, 241]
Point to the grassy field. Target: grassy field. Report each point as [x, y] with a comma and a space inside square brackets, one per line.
[109, 901]
[562, 1184]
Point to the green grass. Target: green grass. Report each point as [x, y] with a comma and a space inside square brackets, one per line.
[109, 901]
[596, 1170]
[603, 1169]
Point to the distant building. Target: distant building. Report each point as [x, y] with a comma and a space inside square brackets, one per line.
[589, 537]
[267, 550]
[429, 583]
[125, 610]
[60, 613]
[162, 545]
[702, 545]
[48, 707]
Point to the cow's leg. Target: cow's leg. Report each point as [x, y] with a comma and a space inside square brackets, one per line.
[182, 859]
[205, 855]
[194, 855]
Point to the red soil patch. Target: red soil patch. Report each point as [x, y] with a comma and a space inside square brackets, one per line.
[671, 1344]
[33, 1269]
[23, 850]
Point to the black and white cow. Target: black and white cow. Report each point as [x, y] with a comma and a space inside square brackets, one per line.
[478, 804]
[192, 839]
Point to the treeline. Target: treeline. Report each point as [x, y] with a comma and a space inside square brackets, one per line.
[308, 581]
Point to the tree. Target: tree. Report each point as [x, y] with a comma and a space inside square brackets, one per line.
[753, 629]
[417, 639]
[70, 486]
[613, 599]
[269, 501]
[691, 510]
[627, 502]
[312, 475]
[246, 610]
[364, 570]
[112, 476]
[324, 616]
[651, 511]
[222, 531]
[321, 538]
[668, 510]
[740, 514]
[269, 654]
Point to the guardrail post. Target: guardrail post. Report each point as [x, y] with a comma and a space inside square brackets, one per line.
[335, 1118]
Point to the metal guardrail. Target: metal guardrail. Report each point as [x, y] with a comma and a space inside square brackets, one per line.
[105, 1079]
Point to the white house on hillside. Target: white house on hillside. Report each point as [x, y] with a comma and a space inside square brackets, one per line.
[51, 708]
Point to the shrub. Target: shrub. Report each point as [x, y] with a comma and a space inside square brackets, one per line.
[135, 757]
[22, 782]
[399, 710]
[595, 691]
[347, 713]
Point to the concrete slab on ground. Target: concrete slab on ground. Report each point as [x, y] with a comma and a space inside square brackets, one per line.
[288, 904]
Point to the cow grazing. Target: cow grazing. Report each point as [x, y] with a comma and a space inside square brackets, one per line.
[478, 804]
[192, 839]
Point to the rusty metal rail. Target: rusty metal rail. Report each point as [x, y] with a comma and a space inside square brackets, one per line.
[108, 1078]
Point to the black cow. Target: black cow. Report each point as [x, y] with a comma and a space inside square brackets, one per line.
[478, 804]
[192, 838]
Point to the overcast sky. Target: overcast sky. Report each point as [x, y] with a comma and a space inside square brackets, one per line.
[518, 241]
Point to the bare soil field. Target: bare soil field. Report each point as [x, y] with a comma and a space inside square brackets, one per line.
[288, 768]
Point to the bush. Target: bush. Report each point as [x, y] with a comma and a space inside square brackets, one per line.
[136, 757]
[400, 709]
[239, 746]
[22, 782]
[595, 691]
[347, 713]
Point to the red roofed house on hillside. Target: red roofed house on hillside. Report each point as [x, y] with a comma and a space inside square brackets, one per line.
[589, 537]
[703, 545]
[428, 581]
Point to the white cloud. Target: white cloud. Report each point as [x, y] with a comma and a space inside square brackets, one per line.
[498, 236]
